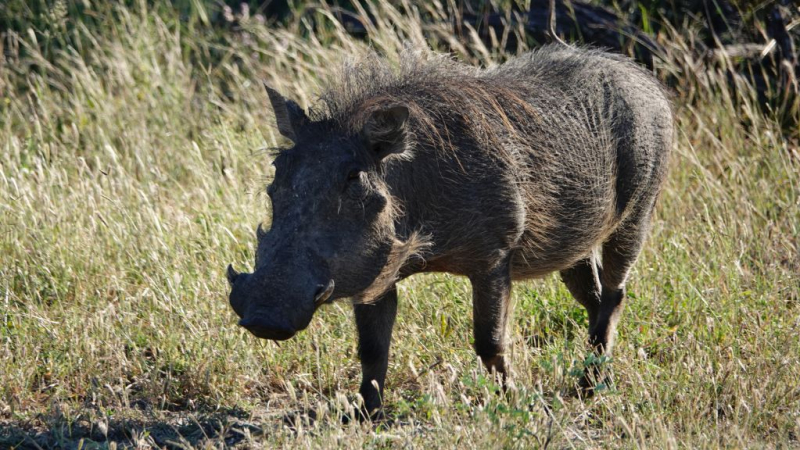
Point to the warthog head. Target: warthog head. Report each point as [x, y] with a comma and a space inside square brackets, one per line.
[333, 232]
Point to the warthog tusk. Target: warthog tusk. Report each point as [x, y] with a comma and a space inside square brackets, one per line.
[324, 293]
[260, 232]
[231, 274]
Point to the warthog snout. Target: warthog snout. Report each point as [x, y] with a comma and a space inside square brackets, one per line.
[264, 329]
[274, 307]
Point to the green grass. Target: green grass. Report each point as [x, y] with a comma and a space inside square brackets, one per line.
[131, 174]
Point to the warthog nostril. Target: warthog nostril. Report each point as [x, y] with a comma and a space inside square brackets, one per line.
[231, 274]
[324, 292]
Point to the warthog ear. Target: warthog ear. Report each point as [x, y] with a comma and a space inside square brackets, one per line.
[385, 131]
[289, 115]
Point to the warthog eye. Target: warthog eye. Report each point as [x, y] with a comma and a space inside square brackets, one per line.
[353, 175]
[354, 187]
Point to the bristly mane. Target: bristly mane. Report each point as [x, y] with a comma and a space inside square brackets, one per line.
[444, 97]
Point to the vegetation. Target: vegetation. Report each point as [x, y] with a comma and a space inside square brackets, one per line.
[133, 162]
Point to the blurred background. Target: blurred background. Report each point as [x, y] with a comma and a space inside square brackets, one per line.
[748, 39]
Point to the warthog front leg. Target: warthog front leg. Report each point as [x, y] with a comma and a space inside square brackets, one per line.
[491, 298]
[375, 322]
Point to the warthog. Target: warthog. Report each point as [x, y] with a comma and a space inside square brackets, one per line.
[541, 164]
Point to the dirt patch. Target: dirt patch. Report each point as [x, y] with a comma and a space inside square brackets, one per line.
[136, 429]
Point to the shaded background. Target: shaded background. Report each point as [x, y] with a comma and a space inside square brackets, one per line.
[756, 40]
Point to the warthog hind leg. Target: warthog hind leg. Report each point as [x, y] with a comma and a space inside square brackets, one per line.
[601, 288]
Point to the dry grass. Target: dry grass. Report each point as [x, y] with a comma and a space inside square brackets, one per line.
[130, 175]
